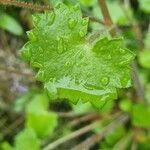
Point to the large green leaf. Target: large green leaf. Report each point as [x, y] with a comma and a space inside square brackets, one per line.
[69, 65]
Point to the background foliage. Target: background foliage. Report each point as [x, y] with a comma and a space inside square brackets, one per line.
[82, 57]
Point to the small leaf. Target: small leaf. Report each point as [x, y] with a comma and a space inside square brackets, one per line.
[27, 139]
[145, 5]
[126, 105]
[140, 115]
[38, 118]
[10, 24]
[144, 59]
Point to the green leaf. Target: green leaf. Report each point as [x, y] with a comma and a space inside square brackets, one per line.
[27, 140]
[144, 59]
[140, 115]
[87, 2]
[6, 146]
[113, 137]
[10, 24]
[145, 5]
[125, 105]
[69, 65]
[38, 118]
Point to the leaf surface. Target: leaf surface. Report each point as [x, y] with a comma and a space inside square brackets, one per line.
[69, 65]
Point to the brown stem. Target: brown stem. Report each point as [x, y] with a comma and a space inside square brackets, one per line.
[70, 136]
[88, 117]
[137, 83]
[106, 16]
[32, 6]
[108, 129]
[107, 19]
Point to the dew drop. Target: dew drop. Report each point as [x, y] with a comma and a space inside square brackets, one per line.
[68, 64]
[51, 18]
[31, 36]
[82, 34]
[61, 47]
[84, 22]
[77, 7]
[105, 81]
[58, 5]
[40, 76]
[122, 50]
[26, 53]
[36, 19]
[88, 87]
[40, 50]
[37, 65]
[71, 23]
[109, 57]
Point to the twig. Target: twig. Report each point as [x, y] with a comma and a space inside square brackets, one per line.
[136, 80]
[103, 133]
[88, 117]
[137, 83]
[94, 19]
[134, 25]
[69, 114]
[106, 16]
[27, 5]
[14, 125]
[36, 7]
[70, 136]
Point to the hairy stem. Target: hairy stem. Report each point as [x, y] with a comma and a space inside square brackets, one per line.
[32, 6]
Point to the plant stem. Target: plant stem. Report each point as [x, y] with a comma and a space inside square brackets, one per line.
[27, 5]
[70, 136]
[103, 133]
[106, 16]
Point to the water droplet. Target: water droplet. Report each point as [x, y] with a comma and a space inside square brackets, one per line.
[109, 57]
[61, 47]
[81, 56]
[88, 87]
[84, 22]
[51, 18]
[68, 64]
[77, 7]
[37, 65]
[31, 36]
[26, 53]
[122, 50]
[40, 50]
[58, 5]
[105, 81]
[72, 23]
[82, 34]
[40, 76]
[36, 19]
